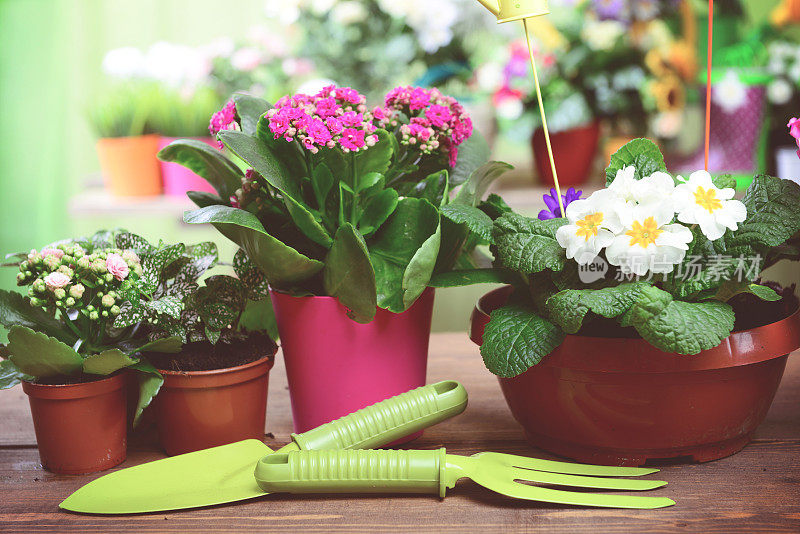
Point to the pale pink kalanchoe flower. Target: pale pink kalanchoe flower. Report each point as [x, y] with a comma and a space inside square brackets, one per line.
[224, 119]
[56, 280]
[117, 266]
[794, 131]
[57, 252]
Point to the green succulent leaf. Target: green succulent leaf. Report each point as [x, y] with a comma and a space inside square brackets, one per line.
[107, 362]
[150, 381]
[434, 188]
[643, 154]
[377, 209]
[569, 307]
[205, 161]
[418, 273]
[528, 245]
[263, 160]
[379, 156]
[37, 354]
[472, 153]
[171, 345]
[279, 262]
[517, 338]
[17, 310]
[479, 181]
[10, 376]
[476, 220]
[348, 274]
[259, 316]
[469, 277]
[250, 109]
[679, 327]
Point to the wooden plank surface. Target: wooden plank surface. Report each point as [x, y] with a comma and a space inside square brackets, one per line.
[755, 490]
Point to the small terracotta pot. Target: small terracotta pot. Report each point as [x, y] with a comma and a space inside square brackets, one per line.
[130, 166]
[80, 428]
[178, 180]
[623, 402]
[196, 410]
[573, 151]
[336, 366]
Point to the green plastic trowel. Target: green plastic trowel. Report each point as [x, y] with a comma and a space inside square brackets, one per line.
[225, 474]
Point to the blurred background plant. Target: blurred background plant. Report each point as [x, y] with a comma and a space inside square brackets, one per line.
[125, 110]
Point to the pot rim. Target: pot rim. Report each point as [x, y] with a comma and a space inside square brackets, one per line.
[219, 377]
[632, 355]
[74, 391]
[329, 298]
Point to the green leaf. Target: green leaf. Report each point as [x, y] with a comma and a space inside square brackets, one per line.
[643, 154]
[348, 274]
[155, 264]
[290, 154]
[250, 109]
[472, 153]
[472, 276]
[476, 220]
[259, 156]
[131, 241]
[731, 288]
[677, 326]
[420, 269]
[150, 381]
[17, 310]
[170, 345]
[434, 188]
[107, 362]
[220, 302]
[376, 158]
[378, 208]
[205, 161]
[322, 181]
[724, 181]
[569, 307]
[528, 245]
[394, 246]
[494, 206]
[259, 316]
[171, 306]
[253, 280]
[479, 181]
[516, 339]
[37, 354]
[279, 262]
[773, 214]
[10, 376]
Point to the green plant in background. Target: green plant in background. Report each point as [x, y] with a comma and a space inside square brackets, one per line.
[345, 202]
[178, 114]
[673, 256]
[124, 110]
[64, 328]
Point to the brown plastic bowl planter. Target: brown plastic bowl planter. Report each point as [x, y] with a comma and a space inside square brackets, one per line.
[623, 402]
[196, 410]
[80, 428]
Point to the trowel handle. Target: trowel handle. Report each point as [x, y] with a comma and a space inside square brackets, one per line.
[388, 420]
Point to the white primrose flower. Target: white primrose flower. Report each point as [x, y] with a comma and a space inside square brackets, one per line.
[592, 224]
[658, 187]
[699, 201]
[648, 241]
[729, 93]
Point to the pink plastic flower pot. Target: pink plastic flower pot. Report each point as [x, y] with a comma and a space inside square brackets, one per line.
[336, 366]
[177, 178]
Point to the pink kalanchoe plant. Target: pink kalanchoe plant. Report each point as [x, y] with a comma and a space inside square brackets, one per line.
[794, 131]
[224, 119]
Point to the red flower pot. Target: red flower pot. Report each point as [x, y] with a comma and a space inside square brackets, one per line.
[336, 366]
[200, 409]
[573, 151]
[623, 402]
[80, 428]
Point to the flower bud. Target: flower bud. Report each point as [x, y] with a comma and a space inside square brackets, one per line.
[107, 301]
[67, 259]
[76, 291]
[37, 302]
[90, 308]
[60, 303]
[93, 315]
[70, 302]
[31, 292]
[130, 256]
[21, 279]
[84, 263]
[24, 266]
[108, 277]
[114, 310]
[39, 286]
[51, 262]
[104, 313]
[59, 293]
[34, 257]
[66, 270]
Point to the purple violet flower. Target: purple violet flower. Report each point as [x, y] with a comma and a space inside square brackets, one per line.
[551, 201]
[611, 9]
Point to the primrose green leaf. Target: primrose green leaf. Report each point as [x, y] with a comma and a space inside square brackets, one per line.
[494, 206]
[472, 153]
[773, 214]
[475, 219]
[643, 154]
[10, 376]
[280, 263]
[724, 181]
[107, 362]
[205, 161]
[479, 181]
[528, 245]
[470, 277]
[517, 338]
[731, 288]
[17, 310]
[679, 327]
[377, 209]
[348, 274]
[250, 109]
[150, 381]
[569, 307]
[37, 354]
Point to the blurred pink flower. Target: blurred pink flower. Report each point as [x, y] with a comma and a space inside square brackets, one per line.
[56, 280]
[57, 252]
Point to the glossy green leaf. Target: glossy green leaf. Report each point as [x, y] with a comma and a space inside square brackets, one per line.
[322, 181]
[258, 155]
[479, 181]
[150, 381]
[348, 274]
[376, 158]
[107, 362]
[472, 153]
[250, 109]
[37, 354]
[15, 309]
[468, 277]
[171, 345]
[378, 208]
[420, 269]
[205, 161]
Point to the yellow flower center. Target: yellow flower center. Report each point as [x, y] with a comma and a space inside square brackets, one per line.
[707, 198]
[589, 225]
[644, 234]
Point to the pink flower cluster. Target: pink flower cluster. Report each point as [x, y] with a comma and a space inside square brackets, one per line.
[224, 119]
[794, 131]
[435, 122]
[336, 116]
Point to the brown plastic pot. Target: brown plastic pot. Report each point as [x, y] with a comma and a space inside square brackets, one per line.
[80, 428]
[196, 410]
[623, 402]
[130, 166]
[573, 150]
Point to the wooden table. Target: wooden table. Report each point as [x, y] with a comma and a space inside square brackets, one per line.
[755, 490]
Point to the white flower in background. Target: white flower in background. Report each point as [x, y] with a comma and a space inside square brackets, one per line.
[297, 67]
[219, 47]
[312, 87]
[432, 24]
[271, 42]
[433, 38]
[593, 222]
[509, 108]
[320, 7]
[729, 93]
[648, 241]
[667, 124]
[779, 91]
[489, 76]
[286, 12]
[657, 187]
[350, 12]
[177, 65]
[602, 34]
[699, 201]
[124, 63]
[794, 71]
[246, 59]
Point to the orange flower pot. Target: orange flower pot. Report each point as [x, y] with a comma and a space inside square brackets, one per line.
[80, 428]
[129, 165]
